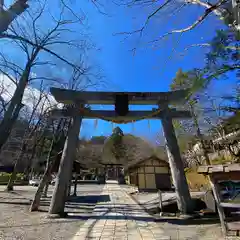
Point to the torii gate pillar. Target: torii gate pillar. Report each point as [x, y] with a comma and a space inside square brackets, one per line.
[65, 168]
[108, 98]
[184, 201]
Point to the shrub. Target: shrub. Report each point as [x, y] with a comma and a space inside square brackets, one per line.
[4, 177]
[219, 160]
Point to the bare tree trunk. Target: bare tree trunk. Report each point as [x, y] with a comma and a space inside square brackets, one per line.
[68, 156]
[15, 105]
[199, 135]
[7, 128]
[14, 173]
[69, 187]
[46, 186]
[49, 167]
[46, 177]
[33, 154]
[11, 116]
[36, 200]
[7, 16]
[23, 148]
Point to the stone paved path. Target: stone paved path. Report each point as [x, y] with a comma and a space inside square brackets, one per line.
[121, 218]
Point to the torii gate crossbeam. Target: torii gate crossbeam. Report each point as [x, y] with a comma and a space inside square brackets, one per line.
[131, 116]
[80, 99]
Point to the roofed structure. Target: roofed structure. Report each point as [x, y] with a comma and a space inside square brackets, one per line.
[135, 164]
[150, 174]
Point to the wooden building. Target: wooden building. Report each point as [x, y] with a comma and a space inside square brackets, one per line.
[150, 174]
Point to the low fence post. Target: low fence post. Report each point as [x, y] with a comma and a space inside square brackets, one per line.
[160, 202]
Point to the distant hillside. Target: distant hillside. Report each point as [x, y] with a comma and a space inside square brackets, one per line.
[136, 149]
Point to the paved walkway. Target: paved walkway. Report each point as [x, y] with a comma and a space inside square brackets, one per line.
[120, 218]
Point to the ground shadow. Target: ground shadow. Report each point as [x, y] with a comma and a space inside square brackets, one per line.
[90, 199]
[15, 198]
[88, 202]
[16, 203]
[81, 204]
[175, 221]
[109, 217]
[198, 221]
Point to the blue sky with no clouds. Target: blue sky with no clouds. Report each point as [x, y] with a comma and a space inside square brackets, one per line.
[152, 68]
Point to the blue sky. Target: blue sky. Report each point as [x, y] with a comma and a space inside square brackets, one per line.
[151, 68]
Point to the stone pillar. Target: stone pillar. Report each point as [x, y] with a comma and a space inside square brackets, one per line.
[65, 168]
[176, 165]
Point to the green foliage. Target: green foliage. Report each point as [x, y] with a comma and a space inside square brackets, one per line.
[98, 139]
[219, 160]
[224, 55]
[224, 48]
[191, 80]
[117, 146]
[186, 141]
[117, 132]
[4, 177]
[129, 149]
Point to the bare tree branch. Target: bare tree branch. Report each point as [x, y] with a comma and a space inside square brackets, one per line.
[14, 37]
[218, 11]
[195, 24]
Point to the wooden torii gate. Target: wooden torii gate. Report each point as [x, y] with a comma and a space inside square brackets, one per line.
[81, 98]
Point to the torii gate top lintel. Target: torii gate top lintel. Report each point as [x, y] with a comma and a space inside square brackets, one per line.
[71, 144]
[67, 96]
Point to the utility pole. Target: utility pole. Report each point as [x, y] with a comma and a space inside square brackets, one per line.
[7, 16]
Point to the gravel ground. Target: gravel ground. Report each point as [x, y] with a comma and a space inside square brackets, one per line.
[16, 222]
